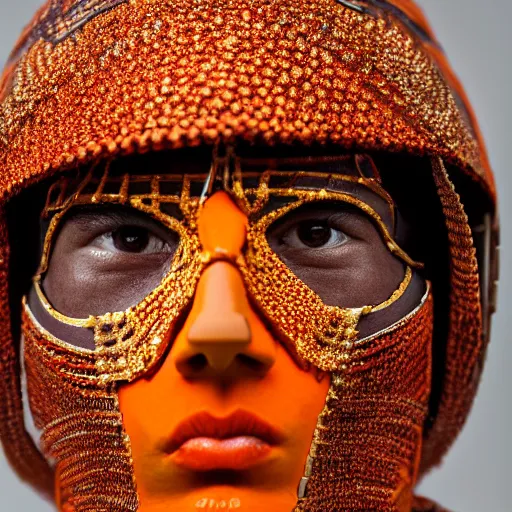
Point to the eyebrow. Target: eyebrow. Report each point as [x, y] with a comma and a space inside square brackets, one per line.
[85, 215]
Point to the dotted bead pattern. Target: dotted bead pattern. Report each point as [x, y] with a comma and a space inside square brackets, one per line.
[151, 74]
[366, 447]
[157, 74]
[82, 427]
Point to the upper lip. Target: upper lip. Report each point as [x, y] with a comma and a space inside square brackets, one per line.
[203, 424]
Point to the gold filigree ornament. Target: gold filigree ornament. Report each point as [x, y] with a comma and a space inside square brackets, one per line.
[130, 343]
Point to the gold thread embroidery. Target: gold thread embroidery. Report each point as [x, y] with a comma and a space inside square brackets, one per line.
[129, 343]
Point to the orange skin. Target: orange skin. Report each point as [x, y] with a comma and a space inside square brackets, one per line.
[265, 381]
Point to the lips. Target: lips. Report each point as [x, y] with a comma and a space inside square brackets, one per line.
[203, 442]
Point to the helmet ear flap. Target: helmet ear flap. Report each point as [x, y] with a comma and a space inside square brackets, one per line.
[487, 237]
[466, 339]
[19, 447]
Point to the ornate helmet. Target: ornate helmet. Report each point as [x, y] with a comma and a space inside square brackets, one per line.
[94, 79]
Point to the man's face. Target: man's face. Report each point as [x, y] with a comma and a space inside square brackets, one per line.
[226, 415]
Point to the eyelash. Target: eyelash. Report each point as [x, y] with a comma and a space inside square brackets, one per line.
[312, 213]
[154, 242]
[314, 233]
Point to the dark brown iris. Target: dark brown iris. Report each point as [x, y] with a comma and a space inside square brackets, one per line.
[131, 239]
[314, 233]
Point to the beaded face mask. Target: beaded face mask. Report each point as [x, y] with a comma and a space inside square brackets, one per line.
[97, 78]
[130, 343]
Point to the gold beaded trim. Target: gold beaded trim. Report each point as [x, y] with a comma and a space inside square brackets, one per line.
[128, 343]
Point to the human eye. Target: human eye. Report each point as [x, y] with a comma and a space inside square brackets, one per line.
[314, 233]
[106, 258]
[313, 228]
[337, 251]
[133, 239]
[117, 238]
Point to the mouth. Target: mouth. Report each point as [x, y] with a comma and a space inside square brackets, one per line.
[203, 442]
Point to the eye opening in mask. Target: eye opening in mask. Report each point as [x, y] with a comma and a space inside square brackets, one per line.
[164, 213]
[128, 229]
[311, 227]
[121, 241]
[309, 197]
[348, 252]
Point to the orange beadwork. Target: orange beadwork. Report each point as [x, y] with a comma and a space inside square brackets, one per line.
[81, 423]
[91, 80]
[130, 343]
[148, 75]
[384, 387]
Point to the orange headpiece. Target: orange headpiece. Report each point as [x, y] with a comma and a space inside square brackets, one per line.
[90, 80]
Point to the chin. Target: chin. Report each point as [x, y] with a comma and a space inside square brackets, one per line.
[225, 497]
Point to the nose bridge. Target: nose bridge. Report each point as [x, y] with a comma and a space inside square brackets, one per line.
[222, 226]
[218, 328]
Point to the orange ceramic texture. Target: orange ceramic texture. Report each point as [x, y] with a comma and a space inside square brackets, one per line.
[283, 395]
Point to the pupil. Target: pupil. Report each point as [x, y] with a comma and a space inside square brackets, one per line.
[313, 233]
[131, 239]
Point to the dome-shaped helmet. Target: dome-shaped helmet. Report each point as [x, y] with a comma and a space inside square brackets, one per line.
[91, 80]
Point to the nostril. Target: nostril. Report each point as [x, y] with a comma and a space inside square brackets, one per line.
[197, 363]
[251, 363]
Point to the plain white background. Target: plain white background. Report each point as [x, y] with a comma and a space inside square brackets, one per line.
[476, 475]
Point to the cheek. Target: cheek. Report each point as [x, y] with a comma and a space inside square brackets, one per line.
[380, 272]
[74, 287]
[78, 286]
[367, 274]
[64, 283]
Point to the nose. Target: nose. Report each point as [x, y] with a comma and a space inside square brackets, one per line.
[217, 337]
[218, 341]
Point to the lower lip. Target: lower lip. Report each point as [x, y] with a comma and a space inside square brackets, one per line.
[206, 454]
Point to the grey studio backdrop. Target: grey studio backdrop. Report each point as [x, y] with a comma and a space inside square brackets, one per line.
[476, 475]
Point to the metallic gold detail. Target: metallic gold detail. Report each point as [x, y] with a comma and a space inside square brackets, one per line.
[130, 343]
[346, 80]
[397, 293]
[369, 430]
[62, 344]
[87, 323]
[207, 257]
[399, 323]
[82, 429]
[319, 334]
[308, 196]
[341, 328]
[122, 347]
